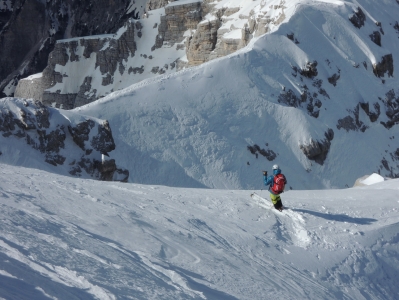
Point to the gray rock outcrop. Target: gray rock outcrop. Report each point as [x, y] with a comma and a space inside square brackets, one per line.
[334, 79]
[179, 17]
[87, 139]
[109, 51]
[309, 98]
[352, 122]
[155, 4]
[207, 40]
[358, 18]
[203, 42]
[391, 104]
[317, 150]
[29, 31]
[269, 154]
[376, 38]
[384, 66]
[309, 70]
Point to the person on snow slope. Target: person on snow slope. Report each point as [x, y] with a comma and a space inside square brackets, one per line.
[276, 183]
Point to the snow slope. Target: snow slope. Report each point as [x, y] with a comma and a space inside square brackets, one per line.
[68, 238]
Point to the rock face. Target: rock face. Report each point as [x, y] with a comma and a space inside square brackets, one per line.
[109, 52]
[310, 70]
[352, 122]
[317, 150]
[214, 36]
[358, 18]
[255, 149]
[37, 125]
[389, 104]
[177, 20]
[29, 31]
[203, 42]
[384, 66]
[311, 98]
[376, 38]
[155, 4]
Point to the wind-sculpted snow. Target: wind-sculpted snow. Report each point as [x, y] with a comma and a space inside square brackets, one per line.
[68, 238]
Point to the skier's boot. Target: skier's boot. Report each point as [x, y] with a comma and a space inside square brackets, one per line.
[279, 205]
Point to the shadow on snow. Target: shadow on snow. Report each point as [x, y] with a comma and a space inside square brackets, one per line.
[338, 217]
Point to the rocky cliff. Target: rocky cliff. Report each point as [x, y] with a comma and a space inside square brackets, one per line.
[29, 30]
[73, 142]
[67, 87]
[181, 34]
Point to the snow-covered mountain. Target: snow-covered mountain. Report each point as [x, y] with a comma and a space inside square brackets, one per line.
[318, 94]
[68, 238]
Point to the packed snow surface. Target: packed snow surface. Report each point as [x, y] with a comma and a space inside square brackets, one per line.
[68, 238]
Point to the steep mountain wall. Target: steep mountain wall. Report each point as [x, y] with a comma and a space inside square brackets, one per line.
[29, 30]
[106, 52]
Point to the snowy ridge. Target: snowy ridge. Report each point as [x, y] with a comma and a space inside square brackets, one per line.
[68, 238]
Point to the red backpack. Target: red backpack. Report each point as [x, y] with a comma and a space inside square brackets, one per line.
[278, 184]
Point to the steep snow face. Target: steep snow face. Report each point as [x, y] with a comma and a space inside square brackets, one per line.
[68, 238]
[305, 96]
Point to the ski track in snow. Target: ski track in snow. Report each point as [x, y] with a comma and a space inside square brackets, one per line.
[298, 234]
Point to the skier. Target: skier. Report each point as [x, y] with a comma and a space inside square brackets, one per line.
[276, 183]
